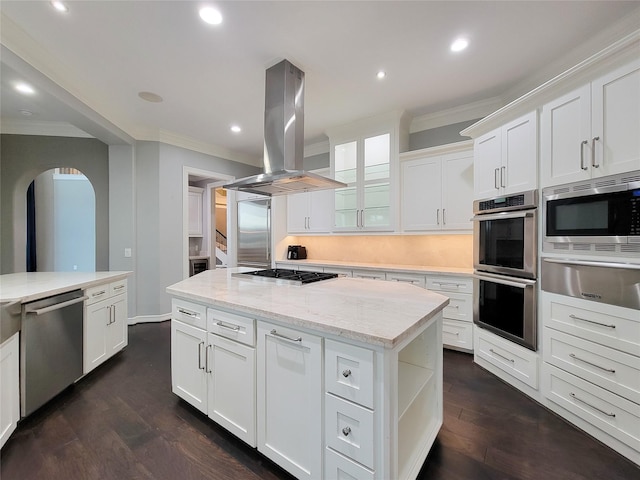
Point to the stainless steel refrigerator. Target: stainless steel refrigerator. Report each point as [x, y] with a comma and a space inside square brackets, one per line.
[254, 233]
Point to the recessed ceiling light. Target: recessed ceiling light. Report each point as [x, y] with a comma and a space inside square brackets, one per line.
[236, 128]
[459, 44]
[61, 7]
[210, 15]
[381, 74]
[25, 88]
[150, 97]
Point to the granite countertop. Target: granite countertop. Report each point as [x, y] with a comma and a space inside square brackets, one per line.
[371, 311]
[381, 267]
[29, 286]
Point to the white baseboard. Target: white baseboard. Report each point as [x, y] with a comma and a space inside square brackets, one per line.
[149, 318]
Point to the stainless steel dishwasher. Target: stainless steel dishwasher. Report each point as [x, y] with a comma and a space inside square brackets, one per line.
[50, 348]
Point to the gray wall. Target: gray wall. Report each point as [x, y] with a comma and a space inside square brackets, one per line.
[22, 159]
[439, 136]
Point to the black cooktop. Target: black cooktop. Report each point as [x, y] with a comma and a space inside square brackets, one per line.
[299, 277]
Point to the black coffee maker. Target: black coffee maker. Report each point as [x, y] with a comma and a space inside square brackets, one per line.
[296, 252]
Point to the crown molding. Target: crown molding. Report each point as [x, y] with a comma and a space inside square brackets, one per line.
[14, 126]
[317, 148]
[464, 146]
[470, 111]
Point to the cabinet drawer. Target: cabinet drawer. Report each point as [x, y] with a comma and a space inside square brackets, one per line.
[239, 328]
[116, 288]
[460, 307]
[349, 429]
[348, 372]
[189, 313]
[457, 334]
[609, 325]
[97, 293]
[340, 271]
[339, 467]
[513, 359]
[445, 283]
[371, 274]
[419, 280]
[608, 412]
[615, 371]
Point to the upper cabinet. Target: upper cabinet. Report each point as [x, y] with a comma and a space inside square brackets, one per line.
[506, 159]
[195, 211]
[310, 212]
[437, 188]
[593, 130]
[365, 157]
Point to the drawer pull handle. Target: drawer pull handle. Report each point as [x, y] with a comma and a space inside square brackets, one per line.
[346, 431]
[452, 333]
[97, 294]
[405, 280]
[346, 373]
[575, 397]
[291, 339]
[119, 287]
[572, 316]
[575, 357]
[235, 328]
[453, 306]
[187, 312]
[455, 285]
[502, 356]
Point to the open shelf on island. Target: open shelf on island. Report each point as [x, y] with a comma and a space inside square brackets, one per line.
[411, 380]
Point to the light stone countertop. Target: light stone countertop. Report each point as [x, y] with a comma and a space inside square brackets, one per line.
[29, 286]
[380, 267]
[371, 311]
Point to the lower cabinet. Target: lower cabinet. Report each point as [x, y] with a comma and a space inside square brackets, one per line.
[188, 375]
[289, 399]
[9, 387]
[105, 323]
[457, 326]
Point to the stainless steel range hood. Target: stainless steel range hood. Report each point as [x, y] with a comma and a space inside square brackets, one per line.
[284, 139]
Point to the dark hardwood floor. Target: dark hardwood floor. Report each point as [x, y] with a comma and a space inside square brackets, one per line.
[123, 422]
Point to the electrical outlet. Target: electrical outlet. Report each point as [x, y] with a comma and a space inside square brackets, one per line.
[127, 252]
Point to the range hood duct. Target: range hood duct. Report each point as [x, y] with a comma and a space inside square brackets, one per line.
[284, 139]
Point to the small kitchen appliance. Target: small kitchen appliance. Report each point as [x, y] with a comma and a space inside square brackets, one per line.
[296, 252]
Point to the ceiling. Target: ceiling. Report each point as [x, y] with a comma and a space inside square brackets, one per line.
[89, 64]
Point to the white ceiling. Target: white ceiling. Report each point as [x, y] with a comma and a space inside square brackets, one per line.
[91, 62]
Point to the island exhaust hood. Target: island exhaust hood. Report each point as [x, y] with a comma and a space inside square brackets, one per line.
[284, 139]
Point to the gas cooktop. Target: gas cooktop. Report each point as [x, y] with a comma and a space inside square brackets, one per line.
[283, 275]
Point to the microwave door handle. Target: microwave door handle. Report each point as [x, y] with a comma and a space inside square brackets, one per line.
[521, 283]
[503, 215]
[586, 263]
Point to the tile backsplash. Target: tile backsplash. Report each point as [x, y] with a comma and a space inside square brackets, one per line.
[427, 250]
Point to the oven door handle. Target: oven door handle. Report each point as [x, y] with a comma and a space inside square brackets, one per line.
[504, 215]
[585, 263]
[509, 281]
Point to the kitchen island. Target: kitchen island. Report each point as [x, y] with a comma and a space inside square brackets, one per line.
[335, 379]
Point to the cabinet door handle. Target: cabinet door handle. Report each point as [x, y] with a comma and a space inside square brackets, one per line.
[200, 367]
[438, 216]
[593, 152]
[495, 178]
[574, 317]
[575, 397]
[235, 328]
[346, 373]
[109, 313]
[503, 171]
[444, 216]
[582, 144]
[206, 359]
[187, 312]
[502, 356]
[279, 335]
[575, 357]
[346, 431]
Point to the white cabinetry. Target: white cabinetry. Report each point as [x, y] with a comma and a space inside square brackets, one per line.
[289, 399]
[457, 323]
[310, 212]
[437, 190]
[591, 368]
[105, 323]
[9, 387]
[506, 159]
[195, 212]
[593, 130]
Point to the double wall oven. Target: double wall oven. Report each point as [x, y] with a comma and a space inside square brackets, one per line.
[505, 259]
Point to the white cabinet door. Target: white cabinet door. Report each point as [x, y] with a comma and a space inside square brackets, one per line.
[188, 375]
[616, 121]
[457, 191]
[320, 211]
[421, 194]
[487, 163]
[297, 212]
[117, 337]
[289, 397]
[96, 323]
[195, 212]
[519, 170]
[231, 383]
[565, 153]
[9, 387]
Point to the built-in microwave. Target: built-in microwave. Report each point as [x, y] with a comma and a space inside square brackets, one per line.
[601, 211]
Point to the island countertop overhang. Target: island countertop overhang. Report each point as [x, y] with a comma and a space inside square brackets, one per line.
[371, 311]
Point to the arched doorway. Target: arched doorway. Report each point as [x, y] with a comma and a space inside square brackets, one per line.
[61, 222]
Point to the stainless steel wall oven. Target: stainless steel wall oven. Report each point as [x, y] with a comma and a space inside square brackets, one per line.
[505, 255]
